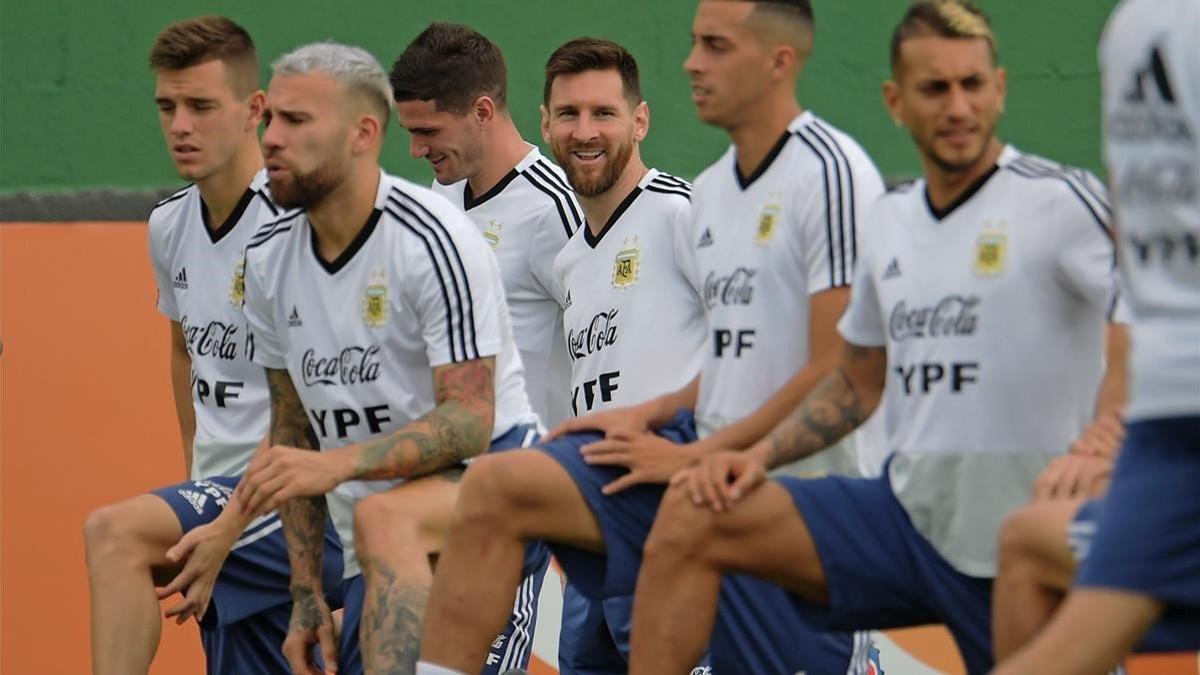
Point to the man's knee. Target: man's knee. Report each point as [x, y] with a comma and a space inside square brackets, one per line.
[491, 490]
[110, 532]
[390, 521]
[680, 527]
[1020, 533]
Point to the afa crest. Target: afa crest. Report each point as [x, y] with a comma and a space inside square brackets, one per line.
[237, 288]
[991, 250]
[625, 267]
[492, 233]
[768, 222]
[375, 299]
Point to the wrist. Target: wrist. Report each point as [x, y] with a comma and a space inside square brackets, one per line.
[762, 451]
[343, 463]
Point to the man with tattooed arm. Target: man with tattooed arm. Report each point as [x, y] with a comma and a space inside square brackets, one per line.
[378, 313]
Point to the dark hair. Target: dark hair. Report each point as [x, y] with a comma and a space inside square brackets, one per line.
[191, 42]
[586, 54]
[451, 65]
[944, 18]
[802, 9]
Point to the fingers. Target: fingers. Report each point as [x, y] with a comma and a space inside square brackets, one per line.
[624, 483]
[328, 646]
[572, 426]
[181, 581]
[711, 484]
[747, 480]
[184, 547]
[1043, 487]
[295, 650]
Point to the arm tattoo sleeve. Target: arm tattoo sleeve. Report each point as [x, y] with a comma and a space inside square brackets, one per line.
[834, 408]
[303, 518]
[458, 428]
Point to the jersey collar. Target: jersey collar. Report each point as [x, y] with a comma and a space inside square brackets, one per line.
[226, 227]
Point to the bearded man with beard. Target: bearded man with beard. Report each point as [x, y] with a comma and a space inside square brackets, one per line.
[378, 313]
[635, 298]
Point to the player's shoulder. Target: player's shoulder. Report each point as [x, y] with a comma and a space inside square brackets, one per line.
[667, 188]
[713, 173]
[820, 145]
[1053, 180]
[273, 235]
[407, 202]
[548, 189]
[171, 209]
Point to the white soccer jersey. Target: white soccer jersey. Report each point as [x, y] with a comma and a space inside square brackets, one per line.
[764, 244]
[527, 218]
[993, 313]
[634, 321]
[1150, 66]
[360, 335]
[198, 272]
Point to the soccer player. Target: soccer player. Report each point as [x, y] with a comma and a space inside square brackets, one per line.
[210, 104]
[378, 313]
[623, 281]
[450, 87]
[764, 245]
[1143, 560]
[979, 310]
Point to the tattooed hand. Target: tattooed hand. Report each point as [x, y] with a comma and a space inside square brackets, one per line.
[280, 473]
[311, 624]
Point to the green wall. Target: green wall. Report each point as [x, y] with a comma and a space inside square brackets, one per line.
[76, 106]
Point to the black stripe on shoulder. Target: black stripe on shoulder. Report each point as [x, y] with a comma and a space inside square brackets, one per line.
[267, 200]
[456, 270]
[671, 180]
[565, 207]
[440, 274]
[1035, 174]
[550, 177]
[848, 185]
[661, 189]
[259, 241]
[178, 194]
[552, 174]
[267, 230]
[837, 263]
[1078, 176]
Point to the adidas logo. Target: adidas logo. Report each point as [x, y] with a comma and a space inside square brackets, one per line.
[180, 281]
[294, 318]
[705, 239]
[892, 270]
[568, 302]
[196, 499]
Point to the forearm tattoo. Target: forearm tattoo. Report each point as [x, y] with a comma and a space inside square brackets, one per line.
[834, 408]
[304, 517]
[460, 427]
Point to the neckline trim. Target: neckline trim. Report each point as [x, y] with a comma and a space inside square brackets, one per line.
[334, 266]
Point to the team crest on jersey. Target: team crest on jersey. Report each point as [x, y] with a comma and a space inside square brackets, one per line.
[237, 287]
[375, 299]
[492, 233]
[768, 222]
[625, 268]
[991, 249]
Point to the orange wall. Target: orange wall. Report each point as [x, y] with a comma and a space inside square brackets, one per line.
[86, 419]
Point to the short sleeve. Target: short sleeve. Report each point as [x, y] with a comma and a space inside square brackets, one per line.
[862, 323]
[453, 282]
[548, 240]
[1084, 248]
[267, 346]
[830, 214]
[685, 246]
[162, 269]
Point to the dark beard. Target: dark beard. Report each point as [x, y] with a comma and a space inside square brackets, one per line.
[590, 187]
[307, 190]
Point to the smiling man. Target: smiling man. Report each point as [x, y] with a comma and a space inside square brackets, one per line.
[762, 228]
[978, 311]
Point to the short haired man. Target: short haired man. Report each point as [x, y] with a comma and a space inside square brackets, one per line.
[210, 104]
[378, 313]
[597, 501]
[450, 87]
[978, 311]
